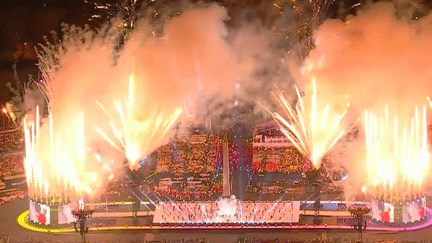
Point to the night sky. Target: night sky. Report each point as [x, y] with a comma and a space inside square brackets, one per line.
[23, 24]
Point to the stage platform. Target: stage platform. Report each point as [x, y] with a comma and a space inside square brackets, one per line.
[23, 222]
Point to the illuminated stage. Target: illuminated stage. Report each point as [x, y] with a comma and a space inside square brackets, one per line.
[229, 212]
[412, 212]
[23, 221]
[53, 215]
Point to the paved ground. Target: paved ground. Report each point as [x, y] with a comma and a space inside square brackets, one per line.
[10, 211]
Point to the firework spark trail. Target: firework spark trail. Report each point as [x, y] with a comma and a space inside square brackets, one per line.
[55, 161]
[396, 169]
[55, 169]
[312, 130]
[7, 110]
[135, 137]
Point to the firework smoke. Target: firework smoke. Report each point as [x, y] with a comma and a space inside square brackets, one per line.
[137, 138]
[312, 126]
[397, 155]
[191, 57]
[377, 58]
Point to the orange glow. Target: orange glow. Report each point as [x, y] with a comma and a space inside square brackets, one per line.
[397, 154]
[56, 169]
[312, 126]
[136, 137]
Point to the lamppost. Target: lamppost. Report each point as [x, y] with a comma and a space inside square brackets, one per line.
[315, 180]
[82, 216]
[135, 180]
[358, 211]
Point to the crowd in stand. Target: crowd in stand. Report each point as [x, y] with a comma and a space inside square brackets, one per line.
[196, 155]
[117, 191]
[11, 161]
[204, 154]
[240, 156]
[173, 194]
[12, 196]
[11, 140]
[183, 191]
[277, 188]
[120, 191]
[212, 148]
[182, 156]
[179, 157]
[186, 195]
[164, 158]
[279, 159]
[196, 158]
[12, 164]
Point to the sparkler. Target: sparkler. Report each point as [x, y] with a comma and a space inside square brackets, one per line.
[55, 167]
[7, 110]
[397, 155]
[312, 130]
[135, 137]
[308, 15]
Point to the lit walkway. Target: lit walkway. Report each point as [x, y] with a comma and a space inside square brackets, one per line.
[23, 222]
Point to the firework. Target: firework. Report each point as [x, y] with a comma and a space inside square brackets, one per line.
[397, 155]
[7, 110]
[311, 126]
[136, 137]
[55, 168]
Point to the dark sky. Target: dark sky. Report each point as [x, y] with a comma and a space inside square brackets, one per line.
[23, 23]
[29, 20]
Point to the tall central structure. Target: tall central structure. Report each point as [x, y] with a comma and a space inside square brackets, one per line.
[226, 171]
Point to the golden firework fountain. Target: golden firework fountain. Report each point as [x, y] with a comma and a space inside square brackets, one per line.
[54, 171]
[313, 126]
[397, 162]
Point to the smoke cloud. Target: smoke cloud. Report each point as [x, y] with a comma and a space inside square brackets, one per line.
[378, 57]
[192, 59]
[374, 58]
